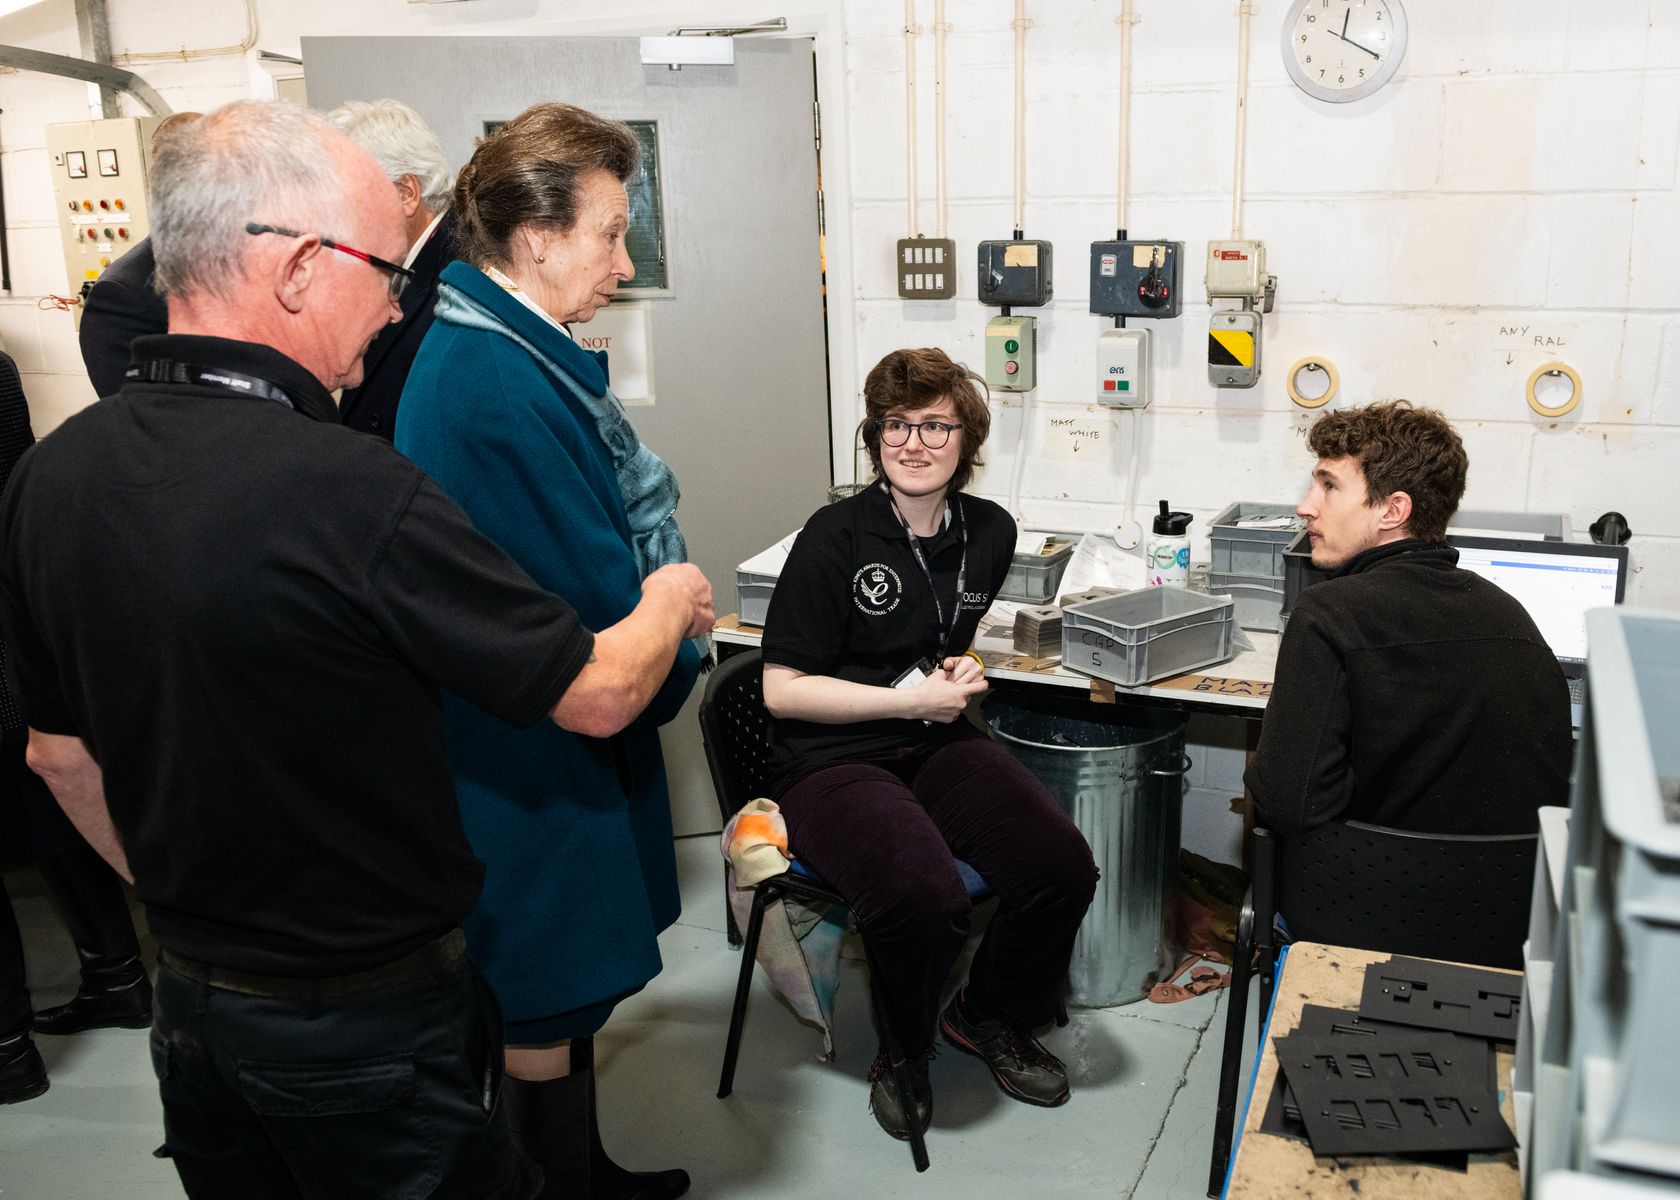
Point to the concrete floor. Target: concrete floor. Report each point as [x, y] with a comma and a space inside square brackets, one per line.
[1139, 1124]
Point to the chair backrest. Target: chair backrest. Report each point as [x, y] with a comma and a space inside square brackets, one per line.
[1463, 899]
[736, 731]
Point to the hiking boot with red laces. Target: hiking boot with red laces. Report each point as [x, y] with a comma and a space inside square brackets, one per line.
[884, 1097]
[1023, 1068]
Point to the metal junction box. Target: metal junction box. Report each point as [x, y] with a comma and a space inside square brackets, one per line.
[1136, 279]
[1016, 273]
[1234, 348]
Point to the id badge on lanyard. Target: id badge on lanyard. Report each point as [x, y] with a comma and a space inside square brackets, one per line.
[945, 624]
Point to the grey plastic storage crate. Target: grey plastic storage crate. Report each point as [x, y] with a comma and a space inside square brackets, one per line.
[1147, 634]
[1034, 578]
[752, 593]
[1601, 1062]
[1238, 549]
[1298, 572]
[1549, 527]
[1259, 599]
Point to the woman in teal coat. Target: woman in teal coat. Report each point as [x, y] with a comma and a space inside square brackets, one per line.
[517, 423]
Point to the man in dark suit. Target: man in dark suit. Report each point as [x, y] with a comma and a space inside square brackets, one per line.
[120, 307]
[412, 158]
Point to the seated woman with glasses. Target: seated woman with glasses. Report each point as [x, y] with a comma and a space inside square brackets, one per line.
[882, 781]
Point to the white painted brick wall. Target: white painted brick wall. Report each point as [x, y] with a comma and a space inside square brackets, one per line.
[1521, 171]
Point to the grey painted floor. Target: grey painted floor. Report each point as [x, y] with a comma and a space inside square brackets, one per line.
[1139, 1124]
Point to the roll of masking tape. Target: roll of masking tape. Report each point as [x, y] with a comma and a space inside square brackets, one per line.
[1313, 364]
[1554, 369]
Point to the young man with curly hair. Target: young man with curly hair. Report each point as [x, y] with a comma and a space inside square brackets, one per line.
[1409, 693]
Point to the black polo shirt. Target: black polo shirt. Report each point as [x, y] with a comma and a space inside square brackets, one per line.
[853, 602]
[248, 612]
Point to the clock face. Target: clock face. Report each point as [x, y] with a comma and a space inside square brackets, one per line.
[1340, 50]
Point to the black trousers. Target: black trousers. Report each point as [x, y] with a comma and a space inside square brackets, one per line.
[884, 833]
[15, 1009]
[385, 1093]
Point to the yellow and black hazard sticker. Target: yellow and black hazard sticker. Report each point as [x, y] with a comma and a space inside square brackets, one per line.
[1230, 348]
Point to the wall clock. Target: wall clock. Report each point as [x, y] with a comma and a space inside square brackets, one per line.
[1341, 50]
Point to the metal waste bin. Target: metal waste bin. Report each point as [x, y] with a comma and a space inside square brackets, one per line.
[1119, 774]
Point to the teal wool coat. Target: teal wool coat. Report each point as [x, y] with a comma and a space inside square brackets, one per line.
[574, 832]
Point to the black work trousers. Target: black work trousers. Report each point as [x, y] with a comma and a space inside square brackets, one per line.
[389, 1092]
[884, 834]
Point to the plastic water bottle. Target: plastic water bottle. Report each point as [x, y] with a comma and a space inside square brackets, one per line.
[1167, 553]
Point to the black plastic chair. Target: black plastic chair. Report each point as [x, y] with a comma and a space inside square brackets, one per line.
[1446, 896]
[735, 729]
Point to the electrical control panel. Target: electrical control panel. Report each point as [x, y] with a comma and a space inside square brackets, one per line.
[926, 268]
[1136, 279]
[1234, 348]
[1123, 368]
[1237, 271]
[99, 171]
[1016, 273]
[1012, 354]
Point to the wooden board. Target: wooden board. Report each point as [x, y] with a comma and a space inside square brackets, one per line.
[1270, 1167]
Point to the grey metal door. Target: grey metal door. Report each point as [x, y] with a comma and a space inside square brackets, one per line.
[736, 340]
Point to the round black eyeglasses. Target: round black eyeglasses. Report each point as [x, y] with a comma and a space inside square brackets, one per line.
[934, 434]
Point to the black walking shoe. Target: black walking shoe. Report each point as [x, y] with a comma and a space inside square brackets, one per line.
[23, 1076]
[884, 1101]
[126, 1007]
[1023, 1068]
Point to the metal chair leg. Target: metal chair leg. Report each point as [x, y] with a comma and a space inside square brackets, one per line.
[743, 984]
[731, 929]
[1230, 1061]
[1061, 1014]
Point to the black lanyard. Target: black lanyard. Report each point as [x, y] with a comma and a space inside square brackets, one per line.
[945, 627]
[164, 370]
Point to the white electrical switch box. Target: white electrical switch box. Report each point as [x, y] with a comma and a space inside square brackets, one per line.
[1011, 354]
[1123, 368]
[1236, 271]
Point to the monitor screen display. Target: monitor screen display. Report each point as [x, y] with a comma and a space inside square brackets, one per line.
[1557, 582]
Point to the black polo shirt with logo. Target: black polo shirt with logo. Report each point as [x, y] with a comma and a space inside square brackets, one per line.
[853, 602]
[248, 612]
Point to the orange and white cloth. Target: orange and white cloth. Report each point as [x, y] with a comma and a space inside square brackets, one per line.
[799, 944]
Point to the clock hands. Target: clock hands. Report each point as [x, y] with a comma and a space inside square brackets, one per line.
[1346, 13]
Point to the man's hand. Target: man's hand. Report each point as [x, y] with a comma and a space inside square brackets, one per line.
[683, 584]
[963, 669]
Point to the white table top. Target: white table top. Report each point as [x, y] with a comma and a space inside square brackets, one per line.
[1243, 681]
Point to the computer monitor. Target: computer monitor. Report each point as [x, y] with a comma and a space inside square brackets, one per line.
[1557, 582]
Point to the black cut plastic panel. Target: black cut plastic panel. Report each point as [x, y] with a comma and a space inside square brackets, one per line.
[1469, 1000]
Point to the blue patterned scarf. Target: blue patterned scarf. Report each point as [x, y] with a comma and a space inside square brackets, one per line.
[647, 485]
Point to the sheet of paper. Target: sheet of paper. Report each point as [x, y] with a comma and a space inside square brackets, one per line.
[1099, 562]
[771, 560]
[1035, 541]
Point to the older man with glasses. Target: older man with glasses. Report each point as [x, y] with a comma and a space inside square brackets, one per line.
[231, 621]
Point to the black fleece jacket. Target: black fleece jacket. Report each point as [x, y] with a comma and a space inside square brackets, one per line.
[1415, 695]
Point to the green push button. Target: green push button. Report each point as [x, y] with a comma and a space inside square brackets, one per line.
[1125, 385]
[1011, 346]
